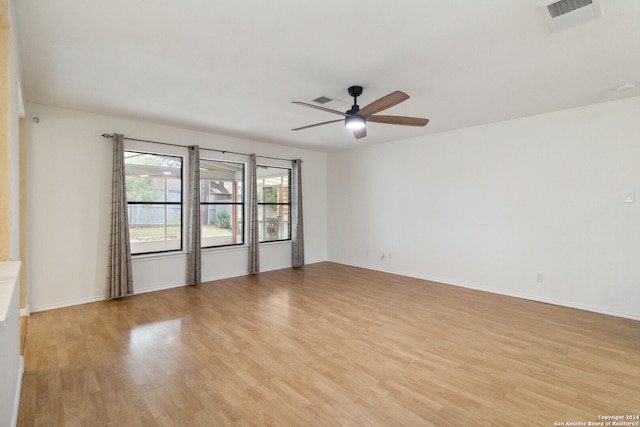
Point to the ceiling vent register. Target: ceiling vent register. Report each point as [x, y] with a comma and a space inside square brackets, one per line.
[565, 6]
[563, 14]
[322, 100]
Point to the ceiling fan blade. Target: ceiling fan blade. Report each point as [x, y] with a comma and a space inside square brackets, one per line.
[360, 133]
[398, 120]
[319, 124]
[383, 103]
[317, 107]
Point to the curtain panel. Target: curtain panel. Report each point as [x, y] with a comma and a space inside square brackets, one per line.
[254, 237]
[120, 282]
[297, 229]
[194, 254]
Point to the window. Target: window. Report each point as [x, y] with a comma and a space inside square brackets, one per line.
[274, 203]
[154, 198]
[221, 203]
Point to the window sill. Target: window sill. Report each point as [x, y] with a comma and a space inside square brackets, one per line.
[276, 242]
[150, 257]
[230, 248]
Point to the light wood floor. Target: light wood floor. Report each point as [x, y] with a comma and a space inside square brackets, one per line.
[326, 345]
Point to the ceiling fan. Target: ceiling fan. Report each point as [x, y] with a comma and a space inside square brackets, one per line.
[356, 118]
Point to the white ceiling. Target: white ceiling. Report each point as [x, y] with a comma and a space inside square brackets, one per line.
[233, 67]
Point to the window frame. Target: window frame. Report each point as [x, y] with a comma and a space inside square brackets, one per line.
[287, 204]
[165, 203]
[242, 203]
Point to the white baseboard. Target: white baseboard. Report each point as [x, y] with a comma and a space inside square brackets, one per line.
[501, 292]
[276, 267]
[541, 299]
[47, 307]
[221, 277]
[157, 288]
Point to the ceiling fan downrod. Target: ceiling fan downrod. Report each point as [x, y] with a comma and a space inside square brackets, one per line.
[355, 92]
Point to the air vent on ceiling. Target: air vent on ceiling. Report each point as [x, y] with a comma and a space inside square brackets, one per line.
[565, 6]
[568, 13]
[322, 100]
[328, 102]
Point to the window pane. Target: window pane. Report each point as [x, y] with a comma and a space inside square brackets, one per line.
[154, 195]
[153, 178]
[222, 199]
[273, 184]
[155, 228]
[216, 191]
[225, 227]
[273, 222]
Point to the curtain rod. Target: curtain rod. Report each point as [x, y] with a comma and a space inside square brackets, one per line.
[106, 135]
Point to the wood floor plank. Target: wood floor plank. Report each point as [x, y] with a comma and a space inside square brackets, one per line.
[326, 344]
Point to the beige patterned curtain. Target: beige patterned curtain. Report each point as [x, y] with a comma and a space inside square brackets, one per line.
[297, 234]
[194, 261]
[120, 271]
[254, 237]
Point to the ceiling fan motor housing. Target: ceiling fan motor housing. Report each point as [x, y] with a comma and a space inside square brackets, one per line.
[355, 91]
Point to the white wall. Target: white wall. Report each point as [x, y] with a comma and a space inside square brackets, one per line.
[69, 201]
[490, 207]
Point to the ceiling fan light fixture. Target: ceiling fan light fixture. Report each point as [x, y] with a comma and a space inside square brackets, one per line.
[354, 122]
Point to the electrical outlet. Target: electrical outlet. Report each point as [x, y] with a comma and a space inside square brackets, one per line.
[382, 256]
[539, 277]
[630, 197]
